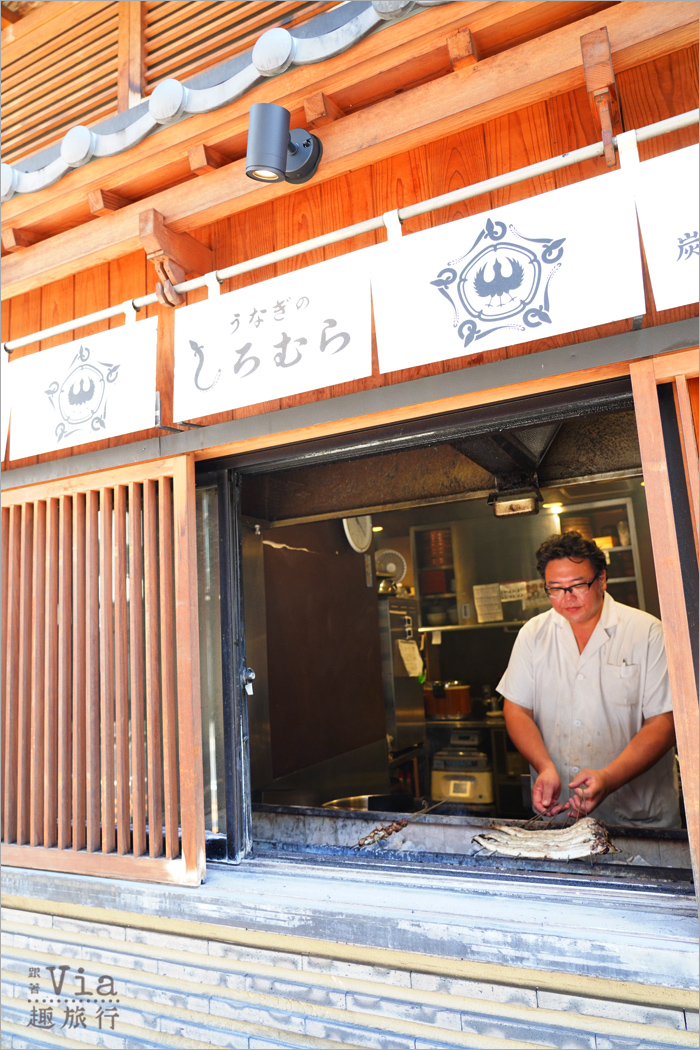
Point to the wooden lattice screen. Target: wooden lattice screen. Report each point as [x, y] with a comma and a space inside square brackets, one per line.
[59, 74]
[182, 39]
[101, 749]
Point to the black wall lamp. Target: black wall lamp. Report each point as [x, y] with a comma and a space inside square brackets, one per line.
[276, 154]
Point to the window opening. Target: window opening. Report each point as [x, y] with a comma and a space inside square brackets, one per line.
[320, 717]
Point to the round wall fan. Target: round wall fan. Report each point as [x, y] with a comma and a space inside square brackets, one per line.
[388, 562]
[359, 532]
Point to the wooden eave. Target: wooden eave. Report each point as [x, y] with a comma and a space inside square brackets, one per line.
[382, 118]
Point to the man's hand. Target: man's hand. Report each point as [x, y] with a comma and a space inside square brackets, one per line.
[591, 787]
[546, 791]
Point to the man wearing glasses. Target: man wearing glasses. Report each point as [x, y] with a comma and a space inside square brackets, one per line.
[587, 697]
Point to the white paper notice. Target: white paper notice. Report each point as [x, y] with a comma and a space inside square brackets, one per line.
[666, 191]
[301, 331]
[87, 390]
[513, 592]
[410, 654]
[487, 598]
[536, 597]
[550, 264]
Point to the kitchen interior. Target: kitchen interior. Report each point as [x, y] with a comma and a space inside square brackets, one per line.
[382, 598]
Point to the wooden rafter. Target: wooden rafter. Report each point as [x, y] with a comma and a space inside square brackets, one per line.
[522, 76]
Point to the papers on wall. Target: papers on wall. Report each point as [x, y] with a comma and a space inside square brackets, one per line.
[666, 192]
[513, 592]
[554, 263]
[307, 329]
[92, 388]
[536, 597]
[487, 598]
[410, 654]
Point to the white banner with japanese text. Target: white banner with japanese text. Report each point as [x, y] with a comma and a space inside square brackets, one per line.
[555, 263]
[666, 192]
[303, 330]
[93, 388]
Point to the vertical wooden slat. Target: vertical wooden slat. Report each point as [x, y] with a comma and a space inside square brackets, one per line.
[4, 613]
[138, 797]
[36, 775]
[167, 651]
[689, 446]
[106, 672]
[188, 699]
[65, 671]
[24, 642]
[78, 793]
[669, 577]
[12, 628]
[92, 671]
[150, 573]
[131, 71]
[121, 671]
[51, 676]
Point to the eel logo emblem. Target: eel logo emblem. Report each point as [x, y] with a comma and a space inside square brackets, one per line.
[80, 399]
[500, 283]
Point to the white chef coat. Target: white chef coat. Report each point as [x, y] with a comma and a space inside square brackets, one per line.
[589, 705]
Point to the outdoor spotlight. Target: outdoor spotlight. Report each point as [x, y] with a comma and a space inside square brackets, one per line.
[276, 154]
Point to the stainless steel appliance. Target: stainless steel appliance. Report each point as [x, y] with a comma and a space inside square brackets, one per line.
[463, 773]
[403, 693]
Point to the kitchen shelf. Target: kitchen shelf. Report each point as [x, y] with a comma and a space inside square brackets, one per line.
[478, 626]
[436, 597]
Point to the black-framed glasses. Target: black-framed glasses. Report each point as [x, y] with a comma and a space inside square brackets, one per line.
[576, 588]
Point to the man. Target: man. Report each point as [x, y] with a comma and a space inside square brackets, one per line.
[587, 698]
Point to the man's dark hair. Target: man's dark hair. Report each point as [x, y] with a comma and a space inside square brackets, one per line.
[570, 545]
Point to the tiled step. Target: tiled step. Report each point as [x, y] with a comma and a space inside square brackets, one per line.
[189, 991]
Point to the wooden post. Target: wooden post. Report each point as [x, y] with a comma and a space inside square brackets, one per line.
[187, 656]
[167, 650]
[24, 642]
[51, 677]
[106, 672]
[131, 68]
[669, 576]
[36, 773]
[121, 670]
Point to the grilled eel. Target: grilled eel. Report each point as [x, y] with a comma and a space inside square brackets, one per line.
[585, 837]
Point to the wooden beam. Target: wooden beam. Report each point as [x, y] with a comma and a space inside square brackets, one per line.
[462, 49]
[104, 202]
[131, 70]
[9, 16]
[186, 251]
[669, 578]
[319, 109]
[110, 866]
[203, 159]
[533, 71]
[602, 90]
[15, 240]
